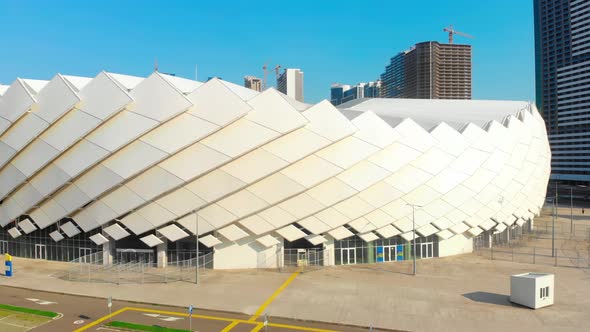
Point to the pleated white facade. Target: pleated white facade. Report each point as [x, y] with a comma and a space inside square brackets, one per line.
[133, 155]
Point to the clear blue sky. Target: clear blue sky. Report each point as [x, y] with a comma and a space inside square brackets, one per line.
[331, 41]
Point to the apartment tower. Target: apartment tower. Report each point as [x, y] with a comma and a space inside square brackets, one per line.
[429, 70]
[562, 54]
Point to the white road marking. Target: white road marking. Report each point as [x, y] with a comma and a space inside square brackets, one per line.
[164, 318]
[41, 302]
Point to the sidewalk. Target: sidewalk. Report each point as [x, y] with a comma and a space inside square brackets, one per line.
[461, 293]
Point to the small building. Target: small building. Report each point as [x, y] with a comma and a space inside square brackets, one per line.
[533, 290]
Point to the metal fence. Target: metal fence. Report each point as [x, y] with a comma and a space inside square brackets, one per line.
[90, 268]
[290, 260]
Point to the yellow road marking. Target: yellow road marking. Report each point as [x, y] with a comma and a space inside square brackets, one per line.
[257, 328]
[181, 314]
[273, 296]
[230, 326]
[100, 320]
[299, 328]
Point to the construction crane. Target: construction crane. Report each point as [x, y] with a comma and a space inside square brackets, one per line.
[452, 32]
[265, 69]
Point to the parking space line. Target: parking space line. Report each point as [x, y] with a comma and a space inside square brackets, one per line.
[257, 328]
[182, 314]
[100, 320]
[273, 296]
[230, 326]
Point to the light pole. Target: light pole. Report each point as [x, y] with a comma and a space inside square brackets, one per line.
[571, 210]
[553, 228]
[414, 235]
[197, 243]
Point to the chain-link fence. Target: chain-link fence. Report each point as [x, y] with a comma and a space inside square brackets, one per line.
[291, 260]
[90, 268]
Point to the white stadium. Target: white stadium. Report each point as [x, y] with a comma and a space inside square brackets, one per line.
[134, 168]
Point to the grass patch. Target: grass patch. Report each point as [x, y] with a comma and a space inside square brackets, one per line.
[139, 327]
[49, 314]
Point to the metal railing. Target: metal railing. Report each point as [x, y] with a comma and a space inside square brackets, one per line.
[91, 269]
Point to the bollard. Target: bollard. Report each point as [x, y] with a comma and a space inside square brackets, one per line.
[8, 265]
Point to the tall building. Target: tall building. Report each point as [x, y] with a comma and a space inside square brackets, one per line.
[252, 82]
[290, 82]
[429, 70]
[562, 53]
[342, 93]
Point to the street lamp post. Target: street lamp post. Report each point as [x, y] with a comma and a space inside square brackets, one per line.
[553, 228]
[414, 236]
[571, 210]
[197, 243]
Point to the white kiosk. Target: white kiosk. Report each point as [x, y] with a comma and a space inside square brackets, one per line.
[533, 290]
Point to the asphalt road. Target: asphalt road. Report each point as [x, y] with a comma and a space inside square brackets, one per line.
[79, 311]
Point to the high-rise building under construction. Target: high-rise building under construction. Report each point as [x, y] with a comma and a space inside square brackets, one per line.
[429, 70]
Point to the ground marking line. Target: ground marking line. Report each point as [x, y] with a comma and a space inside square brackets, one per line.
[257, 328]
[100, 320]
[273, 296]
[230, 326]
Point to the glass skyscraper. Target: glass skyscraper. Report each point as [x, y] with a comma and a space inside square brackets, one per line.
[562, 47]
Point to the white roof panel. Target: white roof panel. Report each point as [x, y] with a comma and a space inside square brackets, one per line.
[475, 231]
[172, 233]
[291, 233]
[14, 232]
[314, 225]
[151, 240]
[459, 228]
[340, 233]
[427, 230]
[500, 228]
[388, 231]
[267, 241]
[217, 104]
[444, 234]
[315, 239]
[256, 224]
[209, 241]
[232, 233]
[487, 224]
[116, 232]
[70, 229]
[27, 226]
[408, 236]
[368, 237]
[57, 236]
[99, 239]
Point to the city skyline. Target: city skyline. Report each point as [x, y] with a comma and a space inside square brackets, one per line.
[95, 38]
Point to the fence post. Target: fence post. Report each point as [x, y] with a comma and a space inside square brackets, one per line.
[512, 254]
[555, 256]
[534, 254]
[492, 252]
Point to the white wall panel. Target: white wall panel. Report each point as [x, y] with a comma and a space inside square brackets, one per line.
[273, 111]
[296, 145]
[153, 182]
[137, 223]
[8, 210]
[79, 157]
[193, 161]
[156, 99]
[242, 203]
[98, 180]
[56, 98]
[433, 161]
[446, 180]
[414, 136]
[133, 158]
[374, 130]
[52, 177]
[394, 156]
[256, 224]
[239, 137]
[9, 179]
[332, 217]
[103, 85]
[34, 157]
[354, 207]
[380, 194]
[217, 216]
[363, 175]
[277, 217]
[327, 121]
[15, 102]
[179, 132]
[214, 185]
[275, 188]
[156, 214]
[69, 129]
[301, 205]
[180, 201]
[408, 178]
[120, 129]
[217, 104]
[26, 197]
[121, 198]
[94, 216]
[70, 199]
[254, 165]
[331, 192]
[449, 139]
[21, 133]
[347, 152]
[314, 225]
[300, 171]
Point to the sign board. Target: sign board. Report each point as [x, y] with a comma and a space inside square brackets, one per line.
[379, 254]
[190, 309]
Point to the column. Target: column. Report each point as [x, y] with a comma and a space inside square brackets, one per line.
[329, 252]
[107, 252]
[162, 257]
